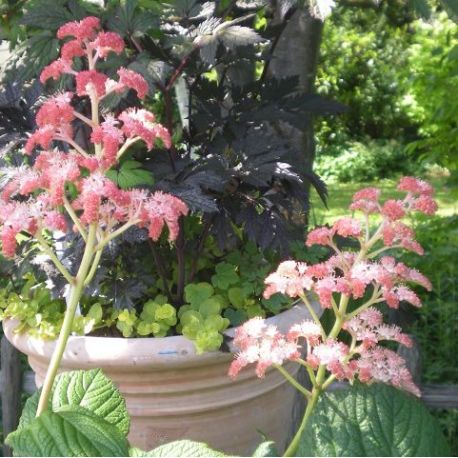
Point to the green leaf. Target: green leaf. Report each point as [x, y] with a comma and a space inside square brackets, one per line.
[89, 389]
[184, 448]
[451, 6]
[237, 35]
[266, 449]
[375, 420]
[130, 174]
[225, 276]
[95, 312]
[236, 296]
[196, 293]
[236, 317]
[130, 20]
[69, 431]
[421, 8]
[210, 306]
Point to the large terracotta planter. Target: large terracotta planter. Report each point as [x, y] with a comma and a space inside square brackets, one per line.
[173, 393]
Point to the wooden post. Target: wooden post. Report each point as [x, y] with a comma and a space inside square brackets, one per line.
[11, 390]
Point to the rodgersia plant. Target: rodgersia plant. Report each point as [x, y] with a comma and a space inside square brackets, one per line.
[350, 284]
[67, 189]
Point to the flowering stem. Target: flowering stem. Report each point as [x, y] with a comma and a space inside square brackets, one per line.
[312, 313]
[293, 381]
[126, 145]
[74, 144]
[320, 383]
[77, 289]
[311, 403]
[115, 233]
[83, 118]
[60, 267]
[95, 264]
[309, 370]
[75, 219]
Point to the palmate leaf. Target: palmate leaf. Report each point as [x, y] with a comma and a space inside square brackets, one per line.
[130, 174]
[237, 35]
[129, 20]
[375, 420]
[47, 14]
[68, 431]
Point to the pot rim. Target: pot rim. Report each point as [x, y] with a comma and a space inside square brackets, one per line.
[97, 351]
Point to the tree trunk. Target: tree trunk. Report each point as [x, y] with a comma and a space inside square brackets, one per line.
[297, 54]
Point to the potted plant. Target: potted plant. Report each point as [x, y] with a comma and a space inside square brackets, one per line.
[72, 198]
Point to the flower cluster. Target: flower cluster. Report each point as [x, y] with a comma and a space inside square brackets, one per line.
[37, 197]
[366, 277]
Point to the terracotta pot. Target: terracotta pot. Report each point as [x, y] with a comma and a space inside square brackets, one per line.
[173, 393]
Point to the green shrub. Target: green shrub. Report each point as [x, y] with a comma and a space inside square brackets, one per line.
[364, 161]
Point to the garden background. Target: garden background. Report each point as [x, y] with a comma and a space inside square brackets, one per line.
[397, 74]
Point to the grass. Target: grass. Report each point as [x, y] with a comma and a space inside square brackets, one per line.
[340, 195]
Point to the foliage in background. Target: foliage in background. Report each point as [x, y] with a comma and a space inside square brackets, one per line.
[364, 160]
[432, 78]
[396, 76]
[436, 326]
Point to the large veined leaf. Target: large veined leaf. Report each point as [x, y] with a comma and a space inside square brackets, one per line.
[184, 448]
[376, 420]
[69, 431]
[89, 389]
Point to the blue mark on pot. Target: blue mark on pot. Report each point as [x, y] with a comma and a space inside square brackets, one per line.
[168, 352]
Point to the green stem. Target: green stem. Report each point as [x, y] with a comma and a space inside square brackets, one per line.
[293, 381]
[319, 380]
[75, 219]
[311, 403]
[47, 249]
[76, 292]
[312, 313]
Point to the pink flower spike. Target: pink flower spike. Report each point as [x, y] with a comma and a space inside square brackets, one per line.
[56, 110]
[110, 136]
[55, 70]
[367, 194]
[395, 232]
[415, 186]
[107, 42]
[89, 81]
[319, 236]
[132, 80]
[42, 137]
[72, 49]
[383, 365]
[425, 204]
[366, 200]
[290, 278]
[161, 208]
[309, 330]
[81, 30]
[142, 123]
[347, 227]
[393, 209]
[262, 344]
